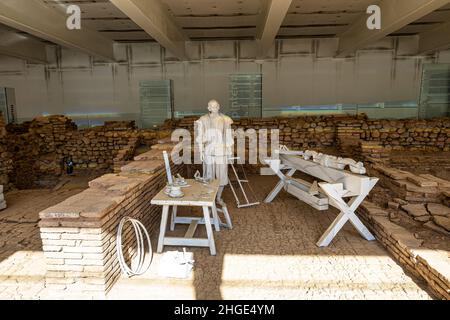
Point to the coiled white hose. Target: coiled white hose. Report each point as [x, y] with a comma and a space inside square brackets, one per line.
[139, 230]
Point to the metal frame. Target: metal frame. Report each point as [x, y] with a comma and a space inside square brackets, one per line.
[241, 187]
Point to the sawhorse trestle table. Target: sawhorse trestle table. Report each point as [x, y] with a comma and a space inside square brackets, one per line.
[336, 186]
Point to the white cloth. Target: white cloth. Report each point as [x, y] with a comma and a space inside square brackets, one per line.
[215, 142]
[175, 264]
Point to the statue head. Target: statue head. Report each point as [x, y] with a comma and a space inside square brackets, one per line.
[213, 106]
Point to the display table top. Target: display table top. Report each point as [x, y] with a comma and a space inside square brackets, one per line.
[196, 194]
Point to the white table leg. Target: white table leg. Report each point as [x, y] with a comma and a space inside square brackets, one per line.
[227, 216]
[363, 231]
[215, 218]
[280, 185]
[162, 231]
[209, 231]
[333, 230]
[347, 213]
[173, 218]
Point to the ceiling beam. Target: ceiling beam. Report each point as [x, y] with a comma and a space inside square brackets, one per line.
[435, 39]
[35, 18]
[153, 17]
[394, 16]
[20, 46]
[272, 17]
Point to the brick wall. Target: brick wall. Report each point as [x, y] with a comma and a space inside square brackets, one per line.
[79, 234]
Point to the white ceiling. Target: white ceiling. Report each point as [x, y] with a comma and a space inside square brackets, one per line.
[238, 19]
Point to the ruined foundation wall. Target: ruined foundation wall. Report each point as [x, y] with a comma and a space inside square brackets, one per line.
[39, 147]
[327, 131]
[350, 136]
[423, 263]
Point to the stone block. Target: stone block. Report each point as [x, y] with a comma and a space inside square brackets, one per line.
[436, 209]
[443, 222]
[416, 210]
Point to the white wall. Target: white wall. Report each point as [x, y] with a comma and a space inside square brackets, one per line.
[297, 72]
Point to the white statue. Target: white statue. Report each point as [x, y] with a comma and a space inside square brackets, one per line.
[215, 143]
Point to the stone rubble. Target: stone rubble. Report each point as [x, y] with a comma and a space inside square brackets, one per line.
[410, 187]
[431, 265]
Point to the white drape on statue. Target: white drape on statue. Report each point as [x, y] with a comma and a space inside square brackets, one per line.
[215, 142]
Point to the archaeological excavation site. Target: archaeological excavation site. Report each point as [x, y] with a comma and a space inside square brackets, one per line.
[225, 150]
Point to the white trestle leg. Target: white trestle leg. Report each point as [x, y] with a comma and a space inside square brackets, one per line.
[347, 212]
[223, 209]
[339, 184]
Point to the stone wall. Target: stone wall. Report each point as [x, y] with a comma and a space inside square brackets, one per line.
[40, 147]
[347, 133]
[5, 157]
[79, 234]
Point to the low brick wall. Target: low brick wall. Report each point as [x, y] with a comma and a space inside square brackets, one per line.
[428, 264]
[79, 234]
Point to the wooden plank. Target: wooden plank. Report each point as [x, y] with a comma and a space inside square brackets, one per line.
[315, 202]
[351, 181]
[188, 242]
[191, 230]
[188, 220]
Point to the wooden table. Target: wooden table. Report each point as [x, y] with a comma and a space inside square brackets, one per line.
[336, 186]
[197, 195]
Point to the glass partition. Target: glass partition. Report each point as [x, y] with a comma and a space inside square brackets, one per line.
[245, 96]
[435, 91]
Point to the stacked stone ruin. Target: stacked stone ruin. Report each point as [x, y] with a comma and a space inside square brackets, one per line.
[424, 197]
[41, 147]
[347, 133]
[430, 265]
[78, 235]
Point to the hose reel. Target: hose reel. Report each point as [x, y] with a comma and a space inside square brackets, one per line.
[140, 231]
